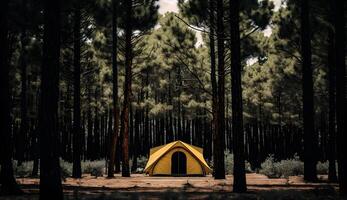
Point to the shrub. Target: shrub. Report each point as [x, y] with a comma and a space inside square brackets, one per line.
[141, 164]
[229, 163]
[323, 167]
[66, 169]
[94, 168]
[23, 170]
[268, 167]
[284, 168]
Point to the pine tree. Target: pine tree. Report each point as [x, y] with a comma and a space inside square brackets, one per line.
[50, 174]
[236, 96]
[114, 134]
[310, 139]
[7, 180]
[77, 136]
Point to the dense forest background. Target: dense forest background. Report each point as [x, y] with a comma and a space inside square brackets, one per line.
[131, 79]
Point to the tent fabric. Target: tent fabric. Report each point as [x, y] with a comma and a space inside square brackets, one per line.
[159, 161]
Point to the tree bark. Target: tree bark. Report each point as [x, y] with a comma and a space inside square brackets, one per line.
[50, 173]
[236, 92]
[76, 169]
[213, 70]
[341, 112]
[8, 183]
[218, 141]
[310, 138]
[332, 109]
[23, 130]
[114, 134]
[127, 89]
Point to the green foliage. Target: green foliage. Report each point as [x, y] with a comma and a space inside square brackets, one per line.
[66, 169]
[283, 168]
[141, 162]
[229, 163]
[94, 168]
[323, 167]
[23, 170]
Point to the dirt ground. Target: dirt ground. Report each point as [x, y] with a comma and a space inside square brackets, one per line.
[144, 187]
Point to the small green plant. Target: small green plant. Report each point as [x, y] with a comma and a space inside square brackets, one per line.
[323, 167]
[229, 163]
[94, 168]
[66, 169]
[268, 167]
[283, 168]
[141, 164]
[23, 170]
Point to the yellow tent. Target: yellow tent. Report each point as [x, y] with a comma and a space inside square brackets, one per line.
[177, 159]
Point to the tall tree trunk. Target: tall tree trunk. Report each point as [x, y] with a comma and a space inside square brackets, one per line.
[96, 144]
[7, 180]
[50, 174]
[341, 112]
[76, 169]
[24, 107]
[236, 92]
[127, 89]
[90, 147]
[332, 109]
[213, 70]
[310, 139]
[218, 141]
[114, 134]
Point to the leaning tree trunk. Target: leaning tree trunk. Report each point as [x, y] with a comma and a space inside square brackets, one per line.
[341, 112]
[127, 89]
[8, 183]
[236, 92]
[50, 173]
[310, 139]
[77, 139]
[218, 141]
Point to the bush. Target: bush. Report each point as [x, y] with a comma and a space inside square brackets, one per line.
[268, 167]
[284, 168]
[323, 167]
[141, 164]
[229, 163]
[66, 169]
[94, 168]
[23, 170]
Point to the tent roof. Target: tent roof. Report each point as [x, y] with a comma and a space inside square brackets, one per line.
[157, 152]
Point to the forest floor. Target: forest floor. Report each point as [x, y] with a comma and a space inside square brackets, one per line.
[144, 187]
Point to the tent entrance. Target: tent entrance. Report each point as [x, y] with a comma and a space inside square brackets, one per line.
[178, 164]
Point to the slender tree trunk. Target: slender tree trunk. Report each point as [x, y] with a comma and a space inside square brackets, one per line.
[96, 144]
[213, 70]
[218, 141]
[50, 175]
[24, 96]
[332, 109]
[76, 169]
[90, 147]
[127, 89]
[8, 183]
[236, 92]
[114, 134]
[310, 138]
[341, 112]
[24, 107]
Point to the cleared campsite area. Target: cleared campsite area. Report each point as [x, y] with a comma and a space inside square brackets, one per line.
[140, 186]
